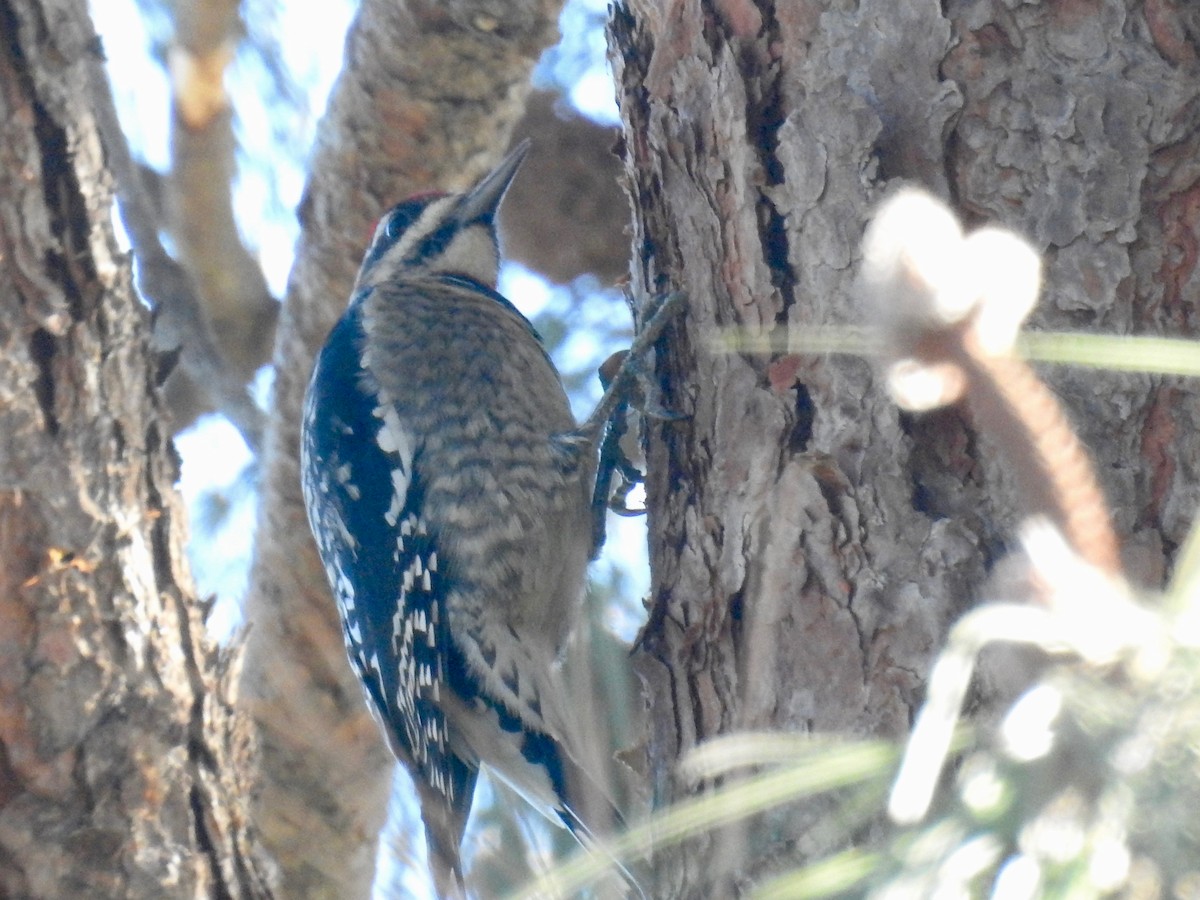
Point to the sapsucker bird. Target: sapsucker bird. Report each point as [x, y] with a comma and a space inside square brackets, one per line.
[450, 499]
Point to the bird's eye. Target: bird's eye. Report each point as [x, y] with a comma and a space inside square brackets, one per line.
[397, 221]
[401, 217]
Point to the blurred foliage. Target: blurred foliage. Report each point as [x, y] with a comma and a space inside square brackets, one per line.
[1094, 794]
[1106, 806]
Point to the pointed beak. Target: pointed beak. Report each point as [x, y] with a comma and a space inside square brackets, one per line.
[481, 202]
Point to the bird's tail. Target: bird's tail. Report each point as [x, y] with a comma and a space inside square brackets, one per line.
[444, 825]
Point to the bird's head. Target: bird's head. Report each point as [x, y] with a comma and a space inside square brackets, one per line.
[437, 233]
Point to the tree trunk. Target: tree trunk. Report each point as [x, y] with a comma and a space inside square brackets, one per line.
[809, 544]
[122, 768]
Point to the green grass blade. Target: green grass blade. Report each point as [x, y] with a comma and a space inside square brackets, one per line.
[1118, 353]
[835, 875]
[838, 767]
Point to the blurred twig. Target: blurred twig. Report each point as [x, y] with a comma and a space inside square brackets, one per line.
[179, 319]
[198, 193]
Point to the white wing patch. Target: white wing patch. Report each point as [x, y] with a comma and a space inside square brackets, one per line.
[394, 438]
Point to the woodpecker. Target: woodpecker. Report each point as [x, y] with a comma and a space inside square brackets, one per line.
[449, 491]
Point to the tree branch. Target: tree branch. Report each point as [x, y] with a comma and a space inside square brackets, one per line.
[179, 318]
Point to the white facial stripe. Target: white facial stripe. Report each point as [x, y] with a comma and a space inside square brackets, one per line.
[431, 217]
[471, 253]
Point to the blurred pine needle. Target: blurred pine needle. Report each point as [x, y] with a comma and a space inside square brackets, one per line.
[1119, 353]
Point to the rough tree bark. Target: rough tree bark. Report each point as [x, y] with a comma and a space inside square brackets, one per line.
[809, 544]
[122, 768]
[426, 99]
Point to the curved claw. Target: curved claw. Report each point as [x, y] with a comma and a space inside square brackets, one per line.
[607, 425]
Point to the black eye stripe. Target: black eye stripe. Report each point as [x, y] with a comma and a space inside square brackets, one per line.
[433, 245]
[403, 215]
[395, 222]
